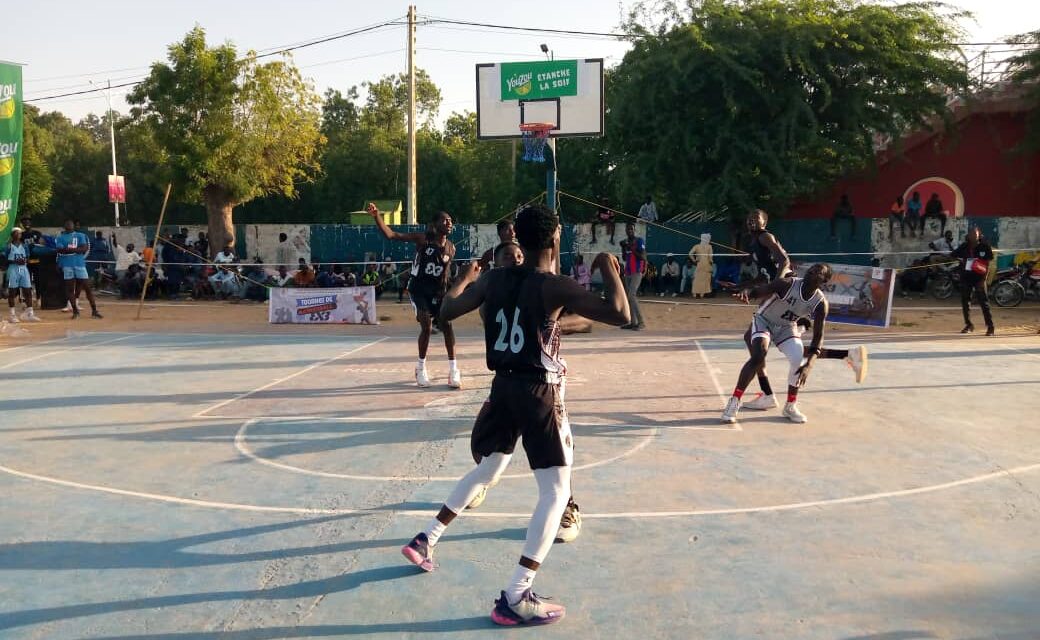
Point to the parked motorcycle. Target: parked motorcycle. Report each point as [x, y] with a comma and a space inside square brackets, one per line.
[1011, 291]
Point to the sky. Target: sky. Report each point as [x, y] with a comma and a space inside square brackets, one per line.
[65, 44]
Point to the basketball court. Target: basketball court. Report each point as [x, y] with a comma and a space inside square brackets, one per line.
[194, 486]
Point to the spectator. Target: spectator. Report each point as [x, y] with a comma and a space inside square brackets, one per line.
[943, 244]
[255, 284]
[100, 253]
[934, 209]
[202, 245]
[897, 213]
[913, 213]
[148, 255]
[389, 273]
[648, 212]
[371, 279]
[131, 282]
[506, 233]
[323, 277]
[303, 277]
[687, 275]
[173, 258]
[914, 279]
[634, 255]
[975, 255]
[580, 272]
[351, 277]
[669, 277]
[843, 211]
[285, 253]
[225, 281]
[605, 217]
[124, 258]
[284, 278]
[703, 257]
[202, 289]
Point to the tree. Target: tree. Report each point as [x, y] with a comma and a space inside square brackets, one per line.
[37, 181]
[230, 129]
[340, 114]
[734, 105]
[1025, 72]
[386, 106]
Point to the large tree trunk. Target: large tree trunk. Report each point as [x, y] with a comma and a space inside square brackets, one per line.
[218, 214]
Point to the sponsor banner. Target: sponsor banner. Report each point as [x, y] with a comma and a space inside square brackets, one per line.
[10, 146]
[536, 80]
[344, 305]
[116, 189]
[857, 294]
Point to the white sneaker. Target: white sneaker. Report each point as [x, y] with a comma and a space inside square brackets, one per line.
[762, 403]
[68, 307]
[30, 316]
[455, 379]
[479, 499]
[13, 319]
[729, 416]
[422, 379]
[570, 523]
[792, 413]
[857, 359]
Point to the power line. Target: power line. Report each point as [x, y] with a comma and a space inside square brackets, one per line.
[323, 40]
[430, 20]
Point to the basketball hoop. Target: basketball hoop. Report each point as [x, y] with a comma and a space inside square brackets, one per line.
[534, 136]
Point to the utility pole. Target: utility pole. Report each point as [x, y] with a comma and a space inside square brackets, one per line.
[413, 215]
[112, 140]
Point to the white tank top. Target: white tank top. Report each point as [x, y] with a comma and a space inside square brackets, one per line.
[791, 306]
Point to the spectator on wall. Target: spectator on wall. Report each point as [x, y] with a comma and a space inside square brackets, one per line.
[843, 211]
[897, 213]
[604, 216]
[648, 212]
[935, 209]
[913, 213]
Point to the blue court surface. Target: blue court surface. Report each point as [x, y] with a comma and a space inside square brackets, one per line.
[260, 486]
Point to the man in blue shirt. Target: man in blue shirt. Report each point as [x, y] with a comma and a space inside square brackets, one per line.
[73, 247]
[633, 254]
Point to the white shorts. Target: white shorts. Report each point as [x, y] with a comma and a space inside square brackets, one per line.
[787, 338]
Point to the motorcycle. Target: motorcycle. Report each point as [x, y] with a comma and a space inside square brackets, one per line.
[944, 281]
[1012, 290]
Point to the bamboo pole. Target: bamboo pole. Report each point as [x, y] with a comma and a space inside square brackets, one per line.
[155, 243]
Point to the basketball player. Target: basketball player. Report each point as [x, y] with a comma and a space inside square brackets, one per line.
[18, 280]
[522, 338]
[771, 260]
[777, 321]
[506, 234]
[426, 287]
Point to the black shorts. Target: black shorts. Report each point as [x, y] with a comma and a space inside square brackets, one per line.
[425, 297]
[524, 406]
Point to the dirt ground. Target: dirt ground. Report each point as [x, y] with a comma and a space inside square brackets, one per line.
[665, 315]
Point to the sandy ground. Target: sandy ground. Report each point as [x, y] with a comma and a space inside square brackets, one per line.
[665, 315]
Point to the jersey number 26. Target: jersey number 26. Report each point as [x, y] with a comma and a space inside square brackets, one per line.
[515, 334]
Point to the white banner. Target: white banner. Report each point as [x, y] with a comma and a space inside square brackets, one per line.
[350, 305]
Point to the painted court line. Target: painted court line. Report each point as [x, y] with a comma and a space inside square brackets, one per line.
[245, 450]
[200, 414]
[53, 353]
[34, 344]
[790, 506]
[714, 379]
[1025, 353]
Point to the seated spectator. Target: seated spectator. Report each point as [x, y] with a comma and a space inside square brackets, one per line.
[338, 277]
[124, 257]
[389, 273]
[255, 285]
[284, 278]
[226, 282]
[326, 278]
[202, 289]
[687, 275]
[131, 282]
[943, 245]
[304, 276]
[897, 213]
[351, 277]
[649, 282]
[580, 272]
[669, 277]
[934, 209]
[372, 279]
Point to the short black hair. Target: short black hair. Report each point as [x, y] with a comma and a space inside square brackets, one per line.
[501, 246]
[502, 224]
[282, 237]
[535, 227]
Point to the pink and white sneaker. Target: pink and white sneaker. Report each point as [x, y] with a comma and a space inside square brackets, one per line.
[419, 552]
[531, 609]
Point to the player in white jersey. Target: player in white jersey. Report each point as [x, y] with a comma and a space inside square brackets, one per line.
[18, 280]
[791, 301]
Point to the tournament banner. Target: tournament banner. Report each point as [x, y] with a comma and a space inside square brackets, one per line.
[343, 305]
[537, 80]
[10, 146]
[858, 294]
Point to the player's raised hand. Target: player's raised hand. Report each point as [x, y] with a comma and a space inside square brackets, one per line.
[470, 271]
[606, 262]
[372, 209]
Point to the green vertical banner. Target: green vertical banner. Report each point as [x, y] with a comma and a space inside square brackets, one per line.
[10, 146]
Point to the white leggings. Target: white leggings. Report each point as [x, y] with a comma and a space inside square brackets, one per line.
[554, 489]
[794, 349]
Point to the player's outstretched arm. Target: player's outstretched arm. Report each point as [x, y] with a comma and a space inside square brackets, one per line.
[610, 309]
[780, 256]
[461, 297]
[747, 293]
[389, 233]
[819, 320]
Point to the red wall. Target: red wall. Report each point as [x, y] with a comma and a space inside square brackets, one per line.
[994, 181]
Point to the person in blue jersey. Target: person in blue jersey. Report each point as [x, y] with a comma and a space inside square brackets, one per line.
[18, 280]
[73, 247]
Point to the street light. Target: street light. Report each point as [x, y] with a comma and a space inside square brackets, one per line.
[545, 49]
[112, 138]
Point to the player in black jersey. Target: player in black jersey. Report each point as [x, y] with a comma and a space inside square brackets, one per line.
[427, 286]
[522, 336]
[771, 260]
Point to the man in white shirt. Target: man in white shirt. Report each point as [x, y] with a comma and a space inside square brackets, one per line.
[225, 280]
[670, 276]
[648, 212]
[943, 244]
[285, 253]
[124, 257]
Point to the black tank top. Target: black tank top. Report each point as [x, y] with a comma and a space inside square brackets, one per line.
[518, 333]
[432, 265]
[763, 257]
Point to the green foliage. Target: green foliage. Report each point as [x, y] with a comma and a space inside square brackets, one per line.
[1025, 72]
[37, 181]
[386, 107]
[733, 105]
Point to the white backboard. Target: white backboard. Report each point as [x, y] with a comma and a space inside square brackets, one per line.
[573, 115]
